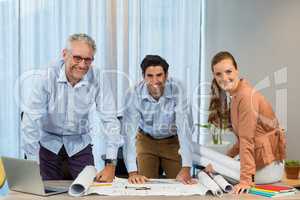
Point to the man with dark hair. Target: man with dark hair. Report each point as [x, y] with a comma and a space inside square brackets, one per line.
[56, 124]
[154, 60]
[157, 121]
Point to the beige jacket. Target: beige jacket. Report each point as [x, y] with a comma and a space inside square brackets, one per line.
[260, 141]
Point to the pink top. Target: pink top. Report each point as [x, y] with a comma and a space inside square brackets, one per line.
[260, 141]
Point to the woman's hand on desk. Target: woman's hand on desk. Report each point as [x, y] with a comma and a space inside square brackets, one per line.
[107, 174]
[184, 176]
[135, 178]
[240, 188]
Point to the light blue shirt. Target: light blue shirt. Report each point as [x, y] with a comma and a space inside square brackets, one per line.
[168, 116]
[58, 114]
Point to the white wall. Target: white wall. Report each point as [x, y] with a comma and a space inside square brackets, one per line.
[264, 37]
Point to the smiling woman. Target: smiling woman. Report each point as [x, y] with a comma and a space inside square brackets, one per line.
[260, 141]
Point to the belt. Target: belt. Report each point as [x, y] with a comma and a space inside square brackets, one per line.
[63, 135]
[153, 138]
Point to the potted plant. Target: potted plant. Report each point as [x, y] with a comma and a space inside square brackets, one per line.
[215, 132]
[217, 137]
[292, 168]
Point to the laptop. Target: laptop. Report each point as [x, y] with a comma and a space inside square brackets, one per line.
[24, 176]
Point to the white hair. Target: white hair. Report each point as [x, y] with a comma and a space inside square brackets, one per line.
[81, 37]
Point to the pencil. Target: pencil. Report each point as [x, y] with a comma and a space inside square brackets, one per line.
[101, 184]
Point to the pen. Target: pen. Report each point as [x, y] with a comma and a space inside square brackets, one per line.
[151, 181]
[137, 188]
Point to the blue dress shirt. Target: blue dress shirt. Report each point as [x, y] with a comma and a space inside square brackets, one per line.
[168, 116]
[58, 114]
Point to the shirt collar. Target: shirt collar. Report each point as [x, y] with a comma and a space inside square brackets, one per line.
[62, 78]
[62, 75]
[168, 89]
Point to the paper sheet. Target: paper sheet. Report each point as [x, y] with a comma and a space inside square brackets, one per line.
[222, 183]
[210, 184]
[212, 155]
[222, 164]
[156, 187]
[84, 185]
[81, 184]
[218, 167]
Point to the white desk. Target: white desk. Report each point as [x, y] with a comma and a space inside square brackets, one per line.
[21, 196]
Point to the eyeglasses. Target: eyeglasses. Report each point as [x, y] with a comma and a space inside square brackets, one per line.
[78, 59]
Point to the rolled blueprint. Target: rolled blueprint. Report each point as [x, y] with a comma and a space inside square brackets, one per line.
[218, 166]
[222, 183]
[83, 181]
[210, 184]
[212, 155]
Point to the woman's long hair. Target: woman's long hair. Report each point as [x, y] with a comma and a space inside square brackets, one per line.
[219, 110]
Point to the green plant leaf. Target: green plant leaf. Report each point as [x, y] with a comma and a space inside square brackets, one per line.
[204, 125]
[292, 163]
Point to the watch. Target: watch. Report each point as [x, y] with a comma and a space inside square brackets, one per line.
[111, 161]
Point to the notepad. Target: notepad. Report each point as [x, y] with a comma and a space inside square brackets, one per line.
[275, 188]
[272, 190]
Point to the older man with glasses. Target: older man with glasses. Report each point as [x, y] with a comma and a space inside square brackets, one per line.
[56, 124]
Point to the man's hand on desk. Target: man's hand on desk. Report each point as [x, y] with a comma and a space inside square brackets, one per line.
[184, 176]
[135, 178]
[107, 174]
